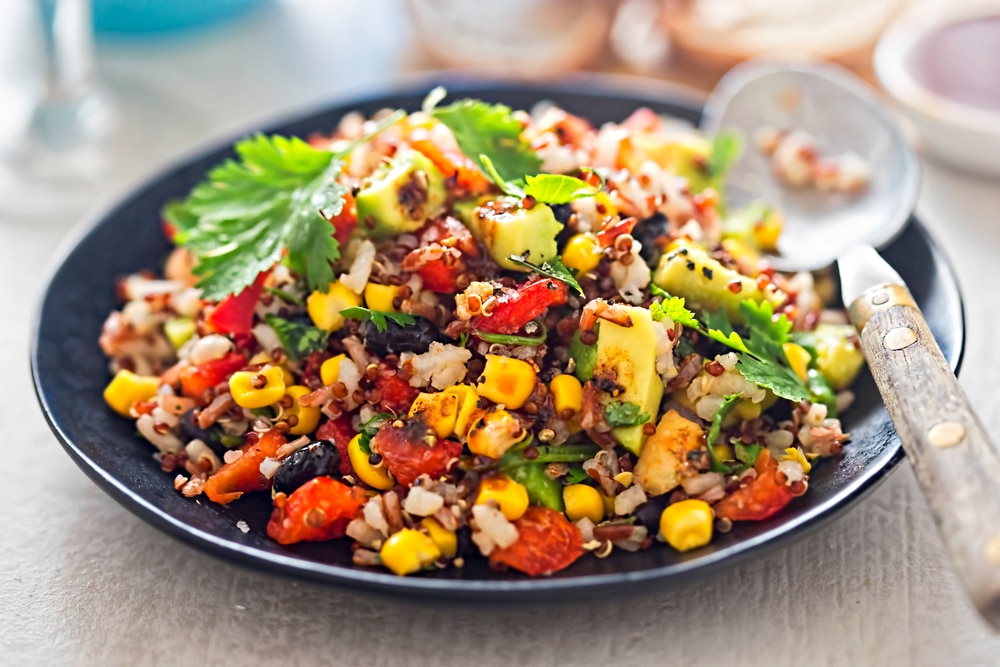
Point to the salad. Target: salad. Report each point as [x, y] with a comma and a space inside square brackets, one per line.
[473, 332]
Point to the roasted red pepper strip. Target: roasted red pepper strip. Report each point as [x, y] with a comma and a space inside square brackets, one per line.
[345, 221]
[234, 314]
[547, 542]
[243, 475]
[195, 380]
[452, 163]
[762, 498]
[340, 432]
[517, 307]
[396, 393]
[318, 510]
[408, 455]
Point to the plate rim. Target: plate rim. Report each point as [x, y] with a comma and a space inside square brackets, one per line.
[376, 581]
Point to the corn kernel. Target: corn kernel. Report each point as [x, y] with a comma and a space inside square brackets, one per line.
[624, 478]
[606, 207]
[510, 496]
[494, 433]
[687, 524]
[466, 401]
[324, 309]
[376, 477]
[409, 551]
[179, 330]
[260, 359]
[583, 252]
[329, 370]
[745, 409]
[307, 419]
[439, 409]
[722, 452]
[507, 381]
[767, 230]
[380, 297]
[126, 389]
[795, 454]
[583, 501]
[798, 359]
[445, 539]
[247, 395]
[567, 393]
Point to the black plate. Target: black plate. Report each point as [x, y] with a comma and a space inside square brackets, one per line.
[70, 373]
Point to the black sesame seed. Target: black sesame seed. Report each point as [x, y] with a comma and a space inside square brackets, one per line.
[707, 272]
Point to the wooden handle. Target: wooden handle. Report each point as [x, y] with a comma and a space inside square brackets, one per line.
[956, 463]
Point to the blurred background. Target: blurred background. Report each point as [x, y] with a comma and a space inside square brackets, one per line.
[96, 92]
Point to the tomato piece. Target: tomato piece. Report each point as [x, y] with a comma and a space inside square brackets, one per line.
[345, 221]
[547, 542]
[408, 456]
[762, 498]
[195, 380]
[397, 394]
[437, 276]
[234, 314]
[340, 431]
[243, 475]
[169, 229]
[440, 259]
[452, 163]
[318, 510]
[517, 307]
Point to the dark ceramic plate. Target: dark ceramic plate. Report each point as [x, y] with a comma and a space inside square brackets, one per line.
[70, 373]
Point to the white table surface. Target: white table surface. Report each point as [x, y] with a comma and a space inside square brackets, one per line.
[83, 581]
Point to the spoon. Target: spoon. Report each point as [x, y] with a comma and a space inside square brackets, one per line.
[955, 462]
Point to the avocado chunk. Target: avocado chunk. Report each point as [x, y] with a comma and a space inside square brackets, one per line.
[507, 228]
[626, 357]
[401, 195]
[838, 355]
[705, 284]
[584, 357]
[686, 157]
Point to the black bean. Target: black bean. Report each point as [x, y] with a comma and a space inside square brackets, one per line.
[211, 436]
[647, 232]
[314, 460]
[649, 513]
[397, 339]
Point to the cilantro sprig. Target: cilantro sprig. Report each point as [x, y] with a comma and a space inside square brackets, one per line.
[378, 318]
[746, 455]
[297, 340]
[370, 428]
[622, 413]
[545, 188]
[672, 307]
[550, 268]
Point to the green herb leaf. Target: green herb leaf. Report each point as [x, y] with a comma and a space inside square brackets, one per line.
[511, 339]
[378, 317]
[370, 428]
[576, 476]
[510, 188]
[285, 296]
[766, 364]
[297, 340]
[747, 454]
[726, 149]
[713, 433]
[559, 189]
[552, 268]
[463, 340]
[491, 130]
[673, 307]
[620, 413]
[656, 290]
[250, 210]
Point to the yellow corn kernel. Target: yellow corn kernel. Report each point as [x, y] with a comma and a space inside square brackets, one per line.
[246, 393]
[687, 524]
[439, 409]
[287, 377]
[380, 297]
[767, 230]
[798, 359]
[307, 419]
[445, 539]
[582, 252]
[745, 409]
[605, 206]
[466, 401]
[583, 501]
[722, 452]
[409, 551]
[260, 359]
[745, 256]
[795, 454]
[567, 392]
[324, 309]
[609, 503]
[329, 370]
[507, 381]
[494, 433]
[510, 496]
[376, 477]
[126, 389]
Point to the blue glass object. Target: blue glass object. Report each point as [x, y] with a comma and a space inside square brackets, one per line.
[144, 16]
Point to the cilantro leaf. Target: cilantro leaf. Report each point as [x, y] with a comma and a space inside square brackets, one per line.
[248, 211]
[656, 290]
[551, 268]
[745, 453]
[673, 307]
[558, 188]
[576, 475]
[378, 317]
[297, 340]
[285, 296]
[726, 149]
[491, 130]
[779, 379]
[728, 403]
[620, 413]
[369, 429]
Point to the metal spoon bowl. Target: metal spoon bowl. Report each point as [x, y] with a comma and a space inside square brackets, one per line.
[839, 110]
